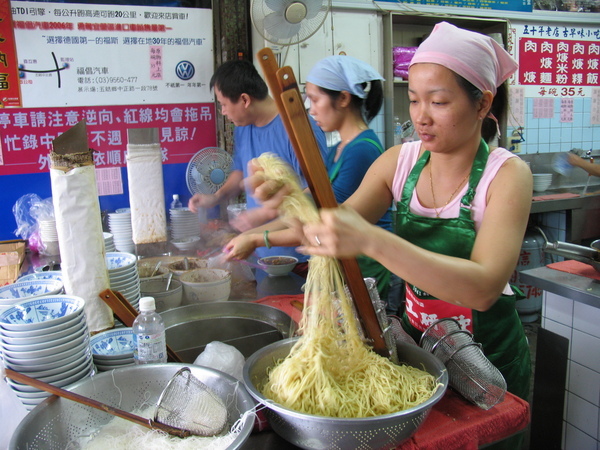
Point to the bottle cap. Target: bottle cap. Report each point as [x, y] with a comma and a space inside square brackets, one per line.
[147, 304]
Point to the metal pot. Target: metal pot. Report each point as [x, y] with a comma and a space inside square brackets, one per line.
[244, 325]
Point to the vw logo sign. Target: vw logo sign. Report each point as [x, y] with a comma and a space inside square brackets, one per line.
[185, 70]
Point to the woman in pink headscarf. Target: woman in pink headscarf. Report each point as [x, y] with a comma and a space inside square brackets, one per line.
[462, 207]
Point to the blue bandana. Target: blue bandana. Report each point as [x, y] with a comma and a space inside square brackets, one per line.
[343, 73]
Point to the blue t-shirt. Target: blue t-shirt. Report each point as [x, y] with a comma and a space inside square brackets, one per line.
[348, 171]
[251, 141]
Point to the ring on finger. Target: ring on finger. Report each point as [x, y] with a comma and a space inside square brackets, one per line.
[317, 240]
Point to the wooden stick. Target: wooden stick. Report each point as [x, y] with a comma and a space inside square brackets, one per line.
[127, 314]
[148, 423]
[295, 119]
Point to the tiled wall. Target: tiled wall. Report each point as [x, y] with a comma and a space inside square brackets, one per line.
[552, 135]
[578, 323]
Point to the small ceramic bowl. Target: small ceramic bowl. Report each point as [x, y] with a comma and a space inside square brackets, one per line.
[206, 285]
[178, 267]
[277, 266]
[41, 312]
[113, 344]
[49, 275]
[186, 244]
[164, 299]
[29, 289]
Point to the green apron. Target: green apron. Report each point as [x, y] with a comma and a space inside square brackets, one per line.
[498, 329]
[368, 266]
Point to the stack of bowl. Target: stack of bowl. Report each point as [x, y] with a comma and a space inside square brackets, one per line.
[123, 275]
[46, 338]
[109, 242]
[541, 181]
[119, 224]
[113, 349]
[28, 289]
[49, 236]
[184, 223]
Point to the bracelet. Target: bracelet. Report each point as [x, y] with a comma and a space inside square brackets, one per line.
[266, 238]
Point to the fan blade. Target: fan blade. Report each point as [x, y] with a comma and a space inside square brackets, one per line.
[278, 5]
[197, 176]
[276, 25]
[313, 7]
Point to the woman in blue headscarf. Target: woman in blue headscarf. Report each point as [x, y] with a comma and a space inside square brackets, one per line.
[345, 95]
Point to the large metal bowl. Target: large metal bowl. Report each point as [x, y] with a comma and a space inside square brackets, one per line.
[243, 325]
[57, 422]
[318, 432]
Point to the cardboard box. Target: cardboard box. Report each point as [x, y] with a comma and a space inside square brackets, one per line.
[12, 254]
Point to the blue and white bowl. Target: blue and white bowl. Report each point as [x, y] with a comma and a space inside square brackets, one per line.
[49, 275]
[13, 293]
[118, 262]
[42, 312]
[113, 344]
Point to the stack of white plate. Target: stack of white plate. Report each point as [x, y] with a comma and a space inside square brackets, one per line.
[119, 223]
[123, 275]
[46, 338]
[184, 223]
[113, 349]
[49, 236]
[11, 294]
[541, 181]
[109, 242]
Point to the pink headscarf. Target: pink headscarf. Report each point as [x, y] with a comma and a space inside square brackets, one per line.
[474, 56]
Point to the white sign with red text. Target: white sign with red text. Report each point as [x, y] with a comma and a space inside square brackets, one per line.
[90, 55]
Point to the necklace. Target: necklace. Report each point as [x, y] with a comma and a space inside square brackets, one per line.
[437, 213]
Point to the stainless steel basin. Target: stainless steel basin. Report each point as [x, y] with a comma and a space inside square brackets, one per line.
[246, 326]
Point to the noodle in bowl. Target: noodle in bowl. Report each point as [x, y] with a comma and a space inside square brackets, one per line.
[317, 432]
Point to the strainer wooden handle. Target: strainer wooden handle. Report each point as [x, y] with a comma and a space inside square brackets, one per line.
[285, 91]
[148, 423]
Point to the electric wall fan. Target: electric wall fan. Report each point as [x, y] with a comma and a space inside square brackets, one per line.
[208, 170]
[286, 22]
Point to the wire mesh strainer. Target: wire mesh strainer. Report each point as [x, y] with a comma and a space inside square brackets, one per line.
[471, 373]
[187, 403]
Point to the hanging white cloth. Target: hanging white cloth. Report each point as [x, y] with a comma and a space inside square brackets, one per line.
[146, 193]
[81, 241]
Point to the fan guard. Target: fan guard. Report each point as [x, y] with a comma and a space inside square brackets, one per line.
[287, 22]
[208, 170]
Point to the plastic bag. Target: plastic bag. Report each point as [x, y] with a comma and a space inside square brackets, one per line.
[29, 210]
[223, 357]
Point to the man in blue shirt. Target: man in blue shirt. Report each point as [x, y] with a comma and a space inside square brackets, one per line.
[244, 99]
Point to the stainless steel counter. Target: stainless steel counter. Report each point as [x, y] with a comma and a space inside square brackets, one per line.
[578, 288]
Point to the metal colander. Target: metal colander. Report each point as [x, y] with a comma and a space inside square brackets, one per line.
[318, 432]
[57, 422]
[189, 404]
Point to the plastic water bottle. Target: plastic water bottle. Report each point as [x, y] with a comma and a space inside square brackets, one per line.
[397, 130]
[176, 203]
[149, 340]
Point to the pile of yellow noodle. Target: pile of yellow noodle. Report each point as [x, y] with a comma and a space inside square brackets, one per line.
[330, 371]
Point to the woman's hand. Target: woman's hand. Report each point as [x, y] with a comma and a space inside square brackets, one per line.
[269, 192]
[240, 247]
[342, 233]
